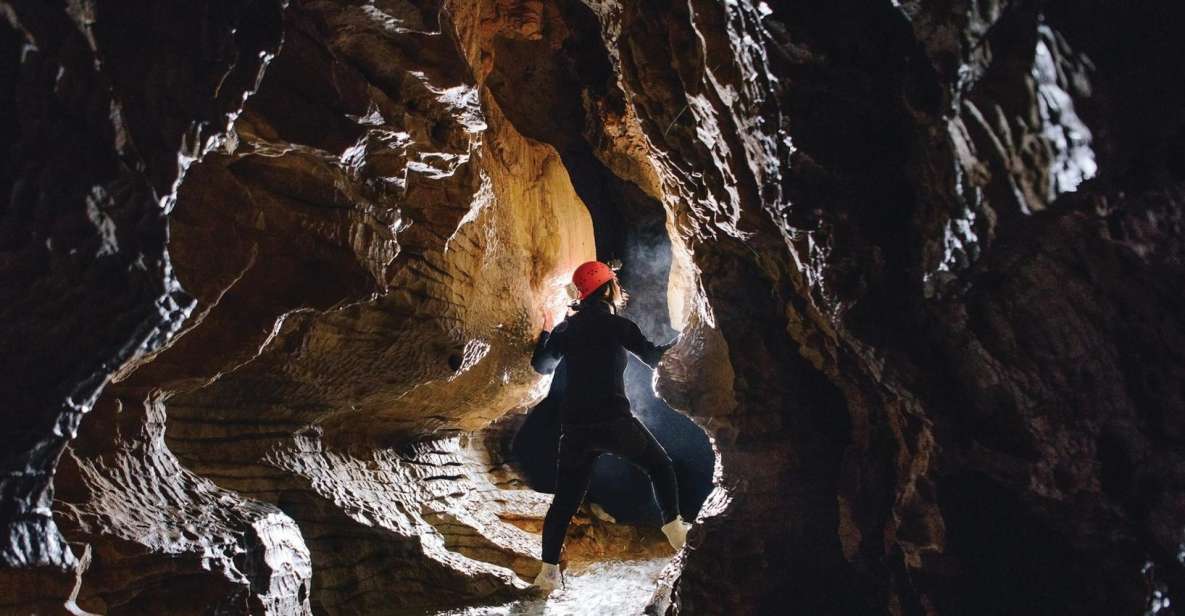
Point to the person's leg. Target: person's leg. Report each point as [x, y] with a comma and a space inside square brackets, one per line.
[574, 470]
[635, 444]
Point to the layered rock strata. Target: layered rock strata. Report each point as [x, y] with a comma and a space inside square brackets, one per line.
[924, 255]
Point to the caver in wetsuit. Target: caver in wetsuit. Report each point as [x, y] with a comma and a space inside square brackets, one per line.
[596, 415]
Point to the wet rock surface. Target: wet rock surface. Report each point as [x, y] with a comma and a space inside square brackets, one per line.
[272, 273]
[97, 134]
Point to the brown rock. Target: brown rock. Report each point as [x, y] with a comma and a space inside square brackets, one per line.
[925, 257]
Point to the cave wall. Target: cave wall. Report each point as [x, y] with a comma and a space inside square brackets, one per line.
[910, 225]
[925, 256]
[366, 250]
[97, 137]
[974, 417]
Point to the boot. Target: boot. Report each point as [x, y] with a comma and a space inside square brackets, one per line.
[548, 578]
[676, 532]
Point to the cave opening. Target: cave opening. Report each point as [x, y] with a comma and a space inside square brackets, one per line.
[563, 70]
[633, 231]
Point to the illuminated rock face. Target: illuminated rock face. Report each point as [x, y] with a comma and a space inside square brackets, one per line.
[370, 247]
[925, 257]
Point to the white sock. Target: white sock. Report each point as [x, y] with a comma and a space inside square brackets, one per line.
[676, 532]
[549, 577]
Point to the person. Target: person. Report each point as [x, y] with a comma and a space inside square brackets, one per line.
[595, 415]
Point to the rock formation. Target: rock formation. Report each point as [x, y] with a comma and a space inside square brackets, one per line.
[272, 272]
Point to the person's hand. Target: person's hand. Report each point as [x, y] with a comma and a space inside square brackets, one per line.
[548, 321]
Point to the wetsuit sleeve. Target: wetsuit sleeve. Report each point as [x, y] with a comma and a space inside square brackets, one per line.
[636, 342]
[550, 349]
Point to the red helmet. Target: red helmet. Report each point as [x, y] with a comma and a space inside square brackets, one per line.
[590, 276]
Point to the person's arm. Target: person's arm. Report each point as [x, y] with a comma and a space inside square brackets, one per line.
[550, 349]
[636, 342]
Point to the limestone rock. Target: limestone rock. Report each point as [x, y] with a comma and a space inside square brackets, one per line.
[925, 257]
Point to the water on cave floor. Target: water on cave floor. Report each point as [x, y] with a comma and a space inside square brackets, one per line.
[598, 589]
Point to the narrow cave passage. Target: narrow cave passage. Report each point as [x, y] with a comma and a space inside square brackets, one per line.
[632, 230]
[628, 225]
[635, 234]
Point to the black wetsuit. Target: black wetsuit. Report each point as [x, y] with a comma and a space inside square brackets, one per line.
[596, 415]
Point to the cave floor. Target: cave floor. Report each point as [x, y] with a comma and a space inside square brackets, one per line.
[597, 588]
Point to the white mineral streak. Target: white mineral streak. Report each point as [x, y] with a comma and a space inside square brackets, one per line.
[482, 199]
[1069, 138]
[408, 22]
[475, 351]
[959, 240]
[97, 202]
[960, 243]
[463, 102]
[373, 117]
